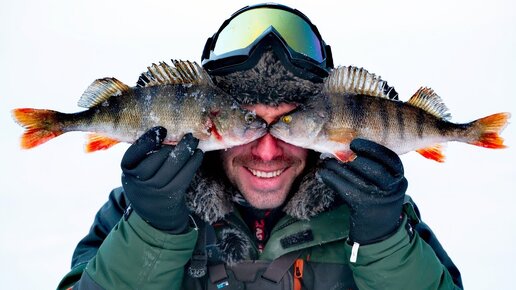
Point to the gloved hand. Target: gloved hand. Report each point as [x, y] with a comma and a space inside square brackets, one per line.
[373, 185]
[155, 178]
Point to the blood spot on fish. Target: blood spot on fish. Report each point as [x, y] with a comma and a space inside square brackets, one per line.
[213, 130]
[216, 133]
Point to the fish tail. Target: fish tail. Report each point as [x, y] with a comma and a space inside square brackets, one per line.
[41, 126]
[488, 130]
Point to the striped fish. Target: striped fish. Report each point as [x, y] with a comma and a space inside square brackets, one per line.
[181, 98]
[358, 104]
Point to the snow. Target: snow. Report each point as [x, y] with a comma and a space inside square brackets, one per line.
[464, 50]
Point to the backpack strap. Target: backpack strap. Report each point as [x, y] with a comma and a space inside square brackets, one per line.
[205, 238]
[279, 267]
[217, 273]
[274, 272]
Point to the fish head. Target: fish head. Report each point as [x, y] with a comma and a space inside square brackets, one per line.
[302, 126]
[236, 126]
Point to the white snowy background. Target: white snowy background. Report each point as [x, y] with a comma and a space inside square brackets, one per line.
[51, 50]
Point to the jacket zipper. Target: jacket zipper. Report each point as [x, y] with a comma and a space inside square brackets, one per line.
[298, 274]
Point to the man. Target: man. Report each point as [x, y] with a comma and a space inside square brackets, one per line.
[264, 215]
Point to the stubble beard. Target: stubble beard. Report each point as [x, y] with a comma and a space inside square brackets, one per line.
[263, 198]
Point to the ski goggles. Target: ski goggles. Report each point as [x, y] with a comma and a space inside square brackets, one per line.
[247, 28]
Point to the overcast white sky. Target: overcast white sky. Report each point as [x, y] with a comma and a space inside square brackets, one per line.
[50, 51]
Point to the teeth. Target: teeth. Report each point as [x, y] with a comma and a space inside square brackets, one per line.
[263, 174]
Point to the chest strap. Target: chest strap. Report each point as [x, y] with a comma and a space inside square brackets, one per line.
[274, 271]
[279, 267]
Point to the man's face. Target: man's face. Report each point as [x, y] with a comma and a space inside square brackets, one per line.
[265, 169]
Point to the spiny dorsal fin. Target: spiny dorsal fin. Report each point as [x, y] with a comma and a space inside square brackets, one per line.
[180, 72]
[354, 80]
[101, 90]
[426, 99]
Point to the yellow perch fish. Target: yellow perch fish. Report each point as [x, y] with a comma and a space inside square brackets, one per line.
[180, 98]
[357, 104]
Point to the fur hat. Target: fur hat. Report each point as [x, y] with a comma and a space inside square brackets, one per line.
[268, 82]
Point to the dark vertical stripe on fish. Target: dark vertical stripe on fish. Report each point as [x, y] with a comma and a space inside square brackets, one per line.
[181, 91]
[358, 110]
[446, 128]
[401, 119]
[421, 119]
[384, 116]
[116, 110]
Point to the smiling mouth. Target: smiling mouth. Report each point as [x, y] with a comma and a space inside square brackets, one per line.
[266, 174]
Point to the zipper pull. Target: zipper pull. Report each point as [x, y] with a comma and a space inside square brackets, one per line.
[298, 273]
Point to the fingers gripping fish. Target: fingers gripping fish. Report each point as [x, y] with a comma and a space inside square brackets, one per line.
[180, 97]
[358, 104]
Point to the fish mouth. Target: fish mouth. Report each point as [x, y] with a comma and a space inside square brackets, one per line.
[278, 131]
[281, 132]
[252, 134]
[266, 174]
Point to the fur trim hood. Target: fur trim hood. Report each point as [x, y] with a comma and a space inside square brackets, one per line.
[210, 197]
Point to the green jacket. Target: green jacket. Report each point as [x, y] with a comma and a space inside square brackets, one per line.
[123, 252]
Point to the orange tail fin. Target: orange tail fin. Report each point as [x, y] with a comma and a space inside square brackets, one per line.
[490, 127]
[40, 125]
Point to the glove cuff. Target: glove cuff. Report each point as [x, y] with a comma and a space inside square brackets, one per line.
[377, 222]
[365, 237]
[176, 224]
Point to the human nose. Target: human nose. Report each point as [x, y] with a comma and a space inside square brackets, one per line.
[267, 148]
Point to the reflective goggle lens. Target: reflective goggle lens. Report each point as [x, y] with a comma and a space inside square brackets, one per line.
[246, 27]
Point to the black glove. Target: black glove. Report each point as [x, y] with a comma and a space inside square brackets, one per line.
[373, 186]
[155, 178]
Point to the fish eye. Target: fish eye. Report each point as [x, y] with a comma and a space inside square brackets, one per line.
[249, 117]
[286, 119]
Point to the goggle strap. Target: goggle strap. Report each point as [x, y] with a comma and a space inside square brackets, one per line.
[207, 48]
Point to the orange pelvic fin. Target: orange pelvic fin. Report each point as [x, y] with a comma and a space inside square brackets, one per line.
[40, 126]
[345, 156]
[490, 127]
[99, 142]
[434, 152]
